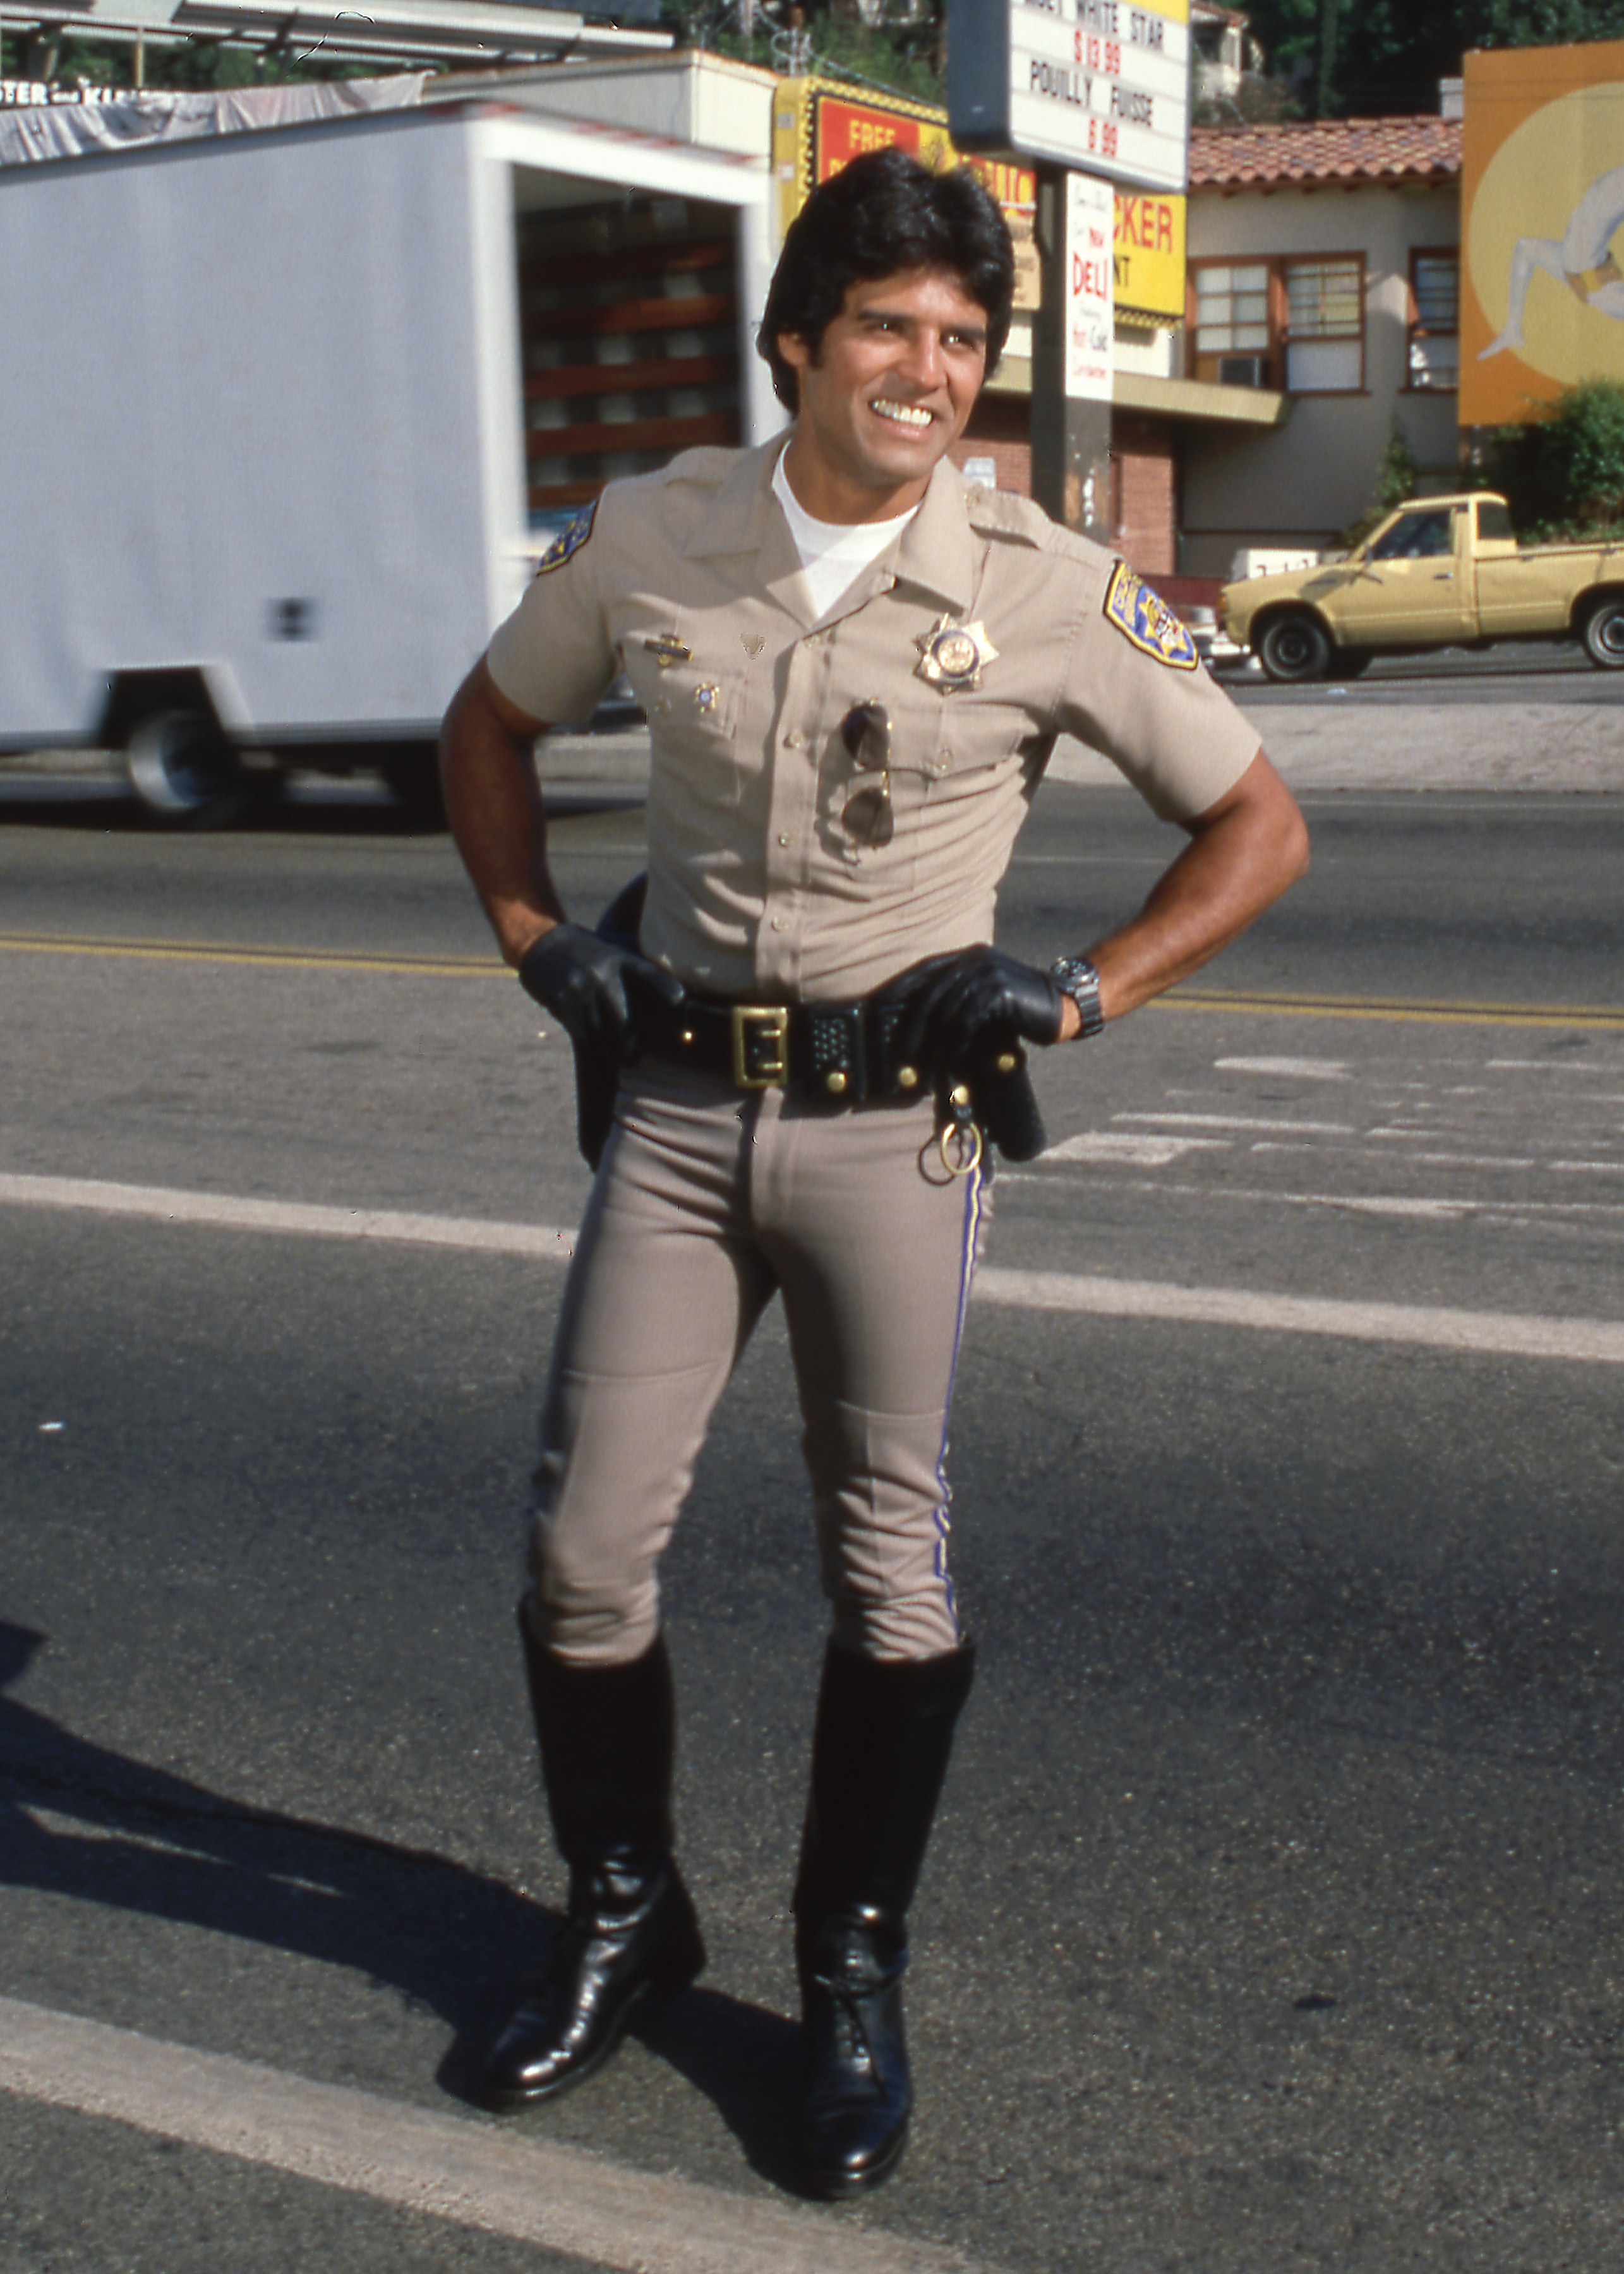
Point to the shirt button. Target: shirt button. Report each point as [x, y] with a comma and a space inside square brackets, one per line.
[784, 837]
[794, 741]
[780, 924]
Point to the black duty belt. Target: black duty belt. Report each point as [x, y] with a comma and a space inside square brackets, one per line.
[836, 1052]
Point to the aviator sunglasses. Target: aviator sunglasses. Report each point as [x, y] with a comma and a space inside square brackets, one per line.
[866, 813]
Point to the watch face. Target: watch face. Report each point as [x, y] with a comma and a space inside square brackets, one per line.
[1077, 977]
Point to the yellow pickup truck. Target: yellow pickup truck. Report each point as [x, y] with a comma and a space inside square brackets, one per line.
[1440, 572]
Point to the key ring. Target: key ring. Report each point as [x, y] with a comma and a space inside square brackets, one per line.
[958, 1126]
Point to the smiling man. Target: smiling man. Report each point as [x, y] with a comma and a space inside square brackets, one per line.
[854, 667]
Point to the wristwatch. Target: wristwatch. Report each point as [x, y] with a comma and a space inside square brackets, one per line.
[1076, 976]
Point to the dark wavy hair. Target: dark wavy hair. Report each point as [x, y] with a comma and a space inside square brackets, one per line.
[883, 214]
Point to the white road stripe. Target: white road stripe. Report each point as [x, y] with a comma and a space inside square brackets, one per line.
[1509, 1334]
[1598, 1340]
[1298, 1069]
[225, 1209]
[448, 2167]
[1238, 1121]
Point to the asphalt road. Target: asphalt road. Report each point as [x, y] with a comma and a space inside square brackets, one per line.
[1275, 1917]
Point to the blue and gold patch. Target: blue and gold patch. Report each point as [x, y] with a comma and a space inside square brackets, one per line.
[568, 541]
[1145, 618]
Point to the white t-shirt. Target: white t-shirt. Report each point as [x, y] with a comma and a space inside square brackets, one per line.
[833, 554]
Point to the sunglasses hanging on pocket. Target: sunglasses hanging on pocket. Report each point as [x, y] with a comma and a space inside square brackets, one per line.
[868, 816]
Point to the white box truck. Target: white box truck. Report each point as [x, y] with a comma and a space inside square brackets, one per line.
[289, 415]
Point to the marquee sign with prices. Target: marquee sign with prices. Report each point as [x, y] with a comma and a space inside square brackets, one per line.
[1101, 84]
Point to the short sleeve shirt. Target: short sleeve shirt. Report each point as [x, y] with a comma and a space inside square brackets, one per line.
[984, 632]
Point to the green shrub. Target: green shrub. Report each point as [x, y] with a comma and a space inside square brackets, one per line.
[1563, 474]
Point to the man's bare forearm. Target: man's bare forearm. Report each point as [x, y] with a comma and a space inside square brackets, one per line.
[493, 805]
[1244, 854]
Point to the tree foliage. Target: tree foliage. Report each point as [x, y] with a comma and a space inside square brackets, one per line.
[889, 45]
[192, 65]
[1369, 58]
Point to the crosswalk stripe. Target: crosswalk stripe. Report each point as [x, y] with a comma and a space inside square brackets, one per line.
[1507, 1333]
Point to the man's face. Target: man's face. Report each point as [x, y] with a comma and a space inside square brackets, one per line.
[895, 380]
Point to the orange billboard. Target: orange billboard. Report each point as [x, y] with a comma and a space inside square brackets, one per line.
[1541, 201]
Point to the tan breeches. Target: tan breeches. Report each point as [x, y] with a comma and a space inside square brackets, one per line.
[705, 1205]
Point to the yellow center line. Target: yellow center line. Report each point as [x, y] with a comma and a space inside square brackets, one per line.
[175, 951]
[1606, 1017]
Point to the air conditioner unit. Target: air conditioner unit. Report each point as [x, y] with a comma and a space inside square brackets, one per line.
[1243, 371]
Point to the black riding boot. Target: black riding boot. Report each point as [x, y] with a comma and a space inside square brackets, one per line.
[879, 1753]
[607, 1738]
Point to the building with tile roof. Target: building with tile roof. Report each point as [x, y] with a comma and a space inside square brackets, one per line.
[1324, 263]
[1327, 150]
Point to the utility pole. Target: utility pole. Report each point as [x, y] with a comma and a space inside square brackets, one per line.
[1070, 432]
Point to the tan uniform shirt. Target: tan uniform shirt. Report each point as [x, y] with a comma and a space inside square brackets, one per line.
[985, 631]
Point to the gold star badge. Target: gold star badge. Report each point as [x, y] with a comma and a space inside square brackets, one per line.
[953, 656]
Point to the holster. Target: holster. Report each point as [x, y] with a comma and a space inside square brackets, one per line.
[1005, 1107]
[598, 1065]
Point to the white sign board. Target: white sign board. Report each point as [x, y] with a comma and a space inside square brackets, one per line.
[1090, 321]
[1100, 84]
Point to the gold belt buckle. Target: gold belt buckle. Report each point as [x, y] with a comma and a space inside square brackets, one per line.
[768, 1024]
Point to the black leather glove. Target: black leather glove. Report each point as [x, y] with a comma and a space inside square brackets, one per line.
[962, 1008]
[590, 985]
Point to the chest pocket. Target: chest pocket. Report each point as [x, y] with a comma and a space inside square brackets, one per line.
[694, 711]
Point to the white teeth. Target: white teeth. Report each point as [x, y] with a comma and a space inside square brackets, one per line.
[904, 413]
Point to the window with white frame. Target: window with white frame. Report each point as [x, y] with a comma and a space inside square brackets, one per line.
[1325, 325]
[1297, 324]
[1232, 308]
[1435, 320]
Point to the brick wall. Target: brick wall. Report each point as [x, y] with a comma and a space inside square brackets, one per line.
[1144, 475]
[1144, 494]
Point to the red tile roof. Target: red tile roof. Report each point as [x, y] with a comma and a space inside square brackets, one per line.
[1327, 150]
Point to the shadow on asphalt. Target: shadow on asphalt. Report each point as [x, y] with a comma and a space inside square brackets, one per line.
[450, 1938]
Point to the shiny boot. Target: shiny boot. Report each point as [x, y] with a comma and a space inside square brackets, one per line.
[607, 1738]
[879, 1753]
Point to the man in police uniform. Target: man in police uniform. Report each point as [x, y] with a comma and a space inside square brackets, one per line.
[855, 665]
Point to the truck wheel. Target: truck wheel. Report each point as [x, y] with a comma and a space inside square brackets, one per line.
[414, 777]
[1294, 648]
[1604, 633]
[185, 772]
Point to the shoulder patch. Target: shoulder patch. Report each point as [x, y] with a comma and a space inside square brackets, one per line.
[568, 541]
[1145, 618]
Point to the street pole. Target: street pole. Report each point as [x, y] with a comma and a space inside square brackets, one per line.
[1070, 433]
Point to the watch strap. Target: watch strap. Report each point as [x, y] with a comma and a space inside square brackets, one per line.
[1077, 977]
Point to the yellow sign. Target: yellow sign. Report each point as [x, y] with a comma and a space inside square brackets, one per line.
[1150, 255]
[1542, 291]
[818, 128]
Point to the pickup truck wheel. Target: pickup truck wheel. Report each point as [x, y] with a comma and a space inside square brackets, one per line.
[1293, 648]
[1603, 634]
[185, 772]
